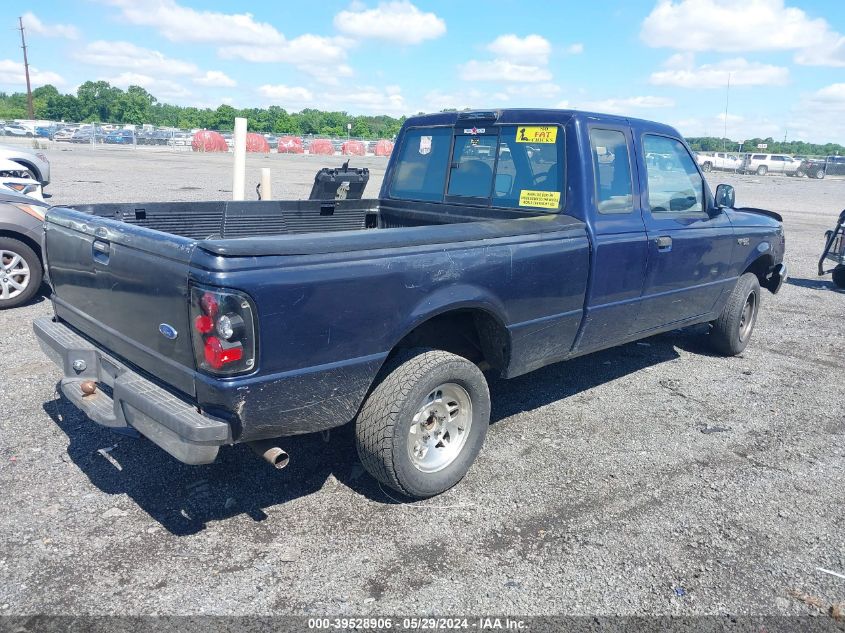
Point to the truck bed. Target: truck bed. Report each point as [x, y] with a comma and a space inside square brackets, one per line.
[231, 220]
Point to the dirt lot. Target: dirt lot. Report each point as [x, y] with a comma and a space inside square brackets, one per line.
[649, 479]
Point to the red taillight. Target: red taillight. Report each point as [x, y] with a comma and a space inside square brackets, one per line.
[223, 332]
[217, 354]
[209, 304]
[204, 324]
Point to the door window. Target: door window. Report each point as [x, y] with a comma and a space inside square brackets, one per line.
[674, 184]
[612, 169]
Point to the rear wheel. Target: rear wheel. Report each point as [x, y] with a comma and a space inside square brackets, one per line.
[424, 423]
[731, 332]
[839, 276]
[800, 173]
[707, 167]
[819, 174]
[20, 273]
[762, 170]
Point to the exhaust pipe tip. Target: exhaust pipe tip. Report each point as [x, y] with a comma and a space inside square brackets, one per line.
[272, 454]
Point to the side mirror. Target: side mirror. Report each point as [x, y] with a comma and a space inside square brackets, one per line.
[503, 184]
[725, 197]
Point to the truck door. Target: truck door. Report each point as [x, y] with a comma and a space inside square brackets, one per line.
[620, 240]
[689, 245]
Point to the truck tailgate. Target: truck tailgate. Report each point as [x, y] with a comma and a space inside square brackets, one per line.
[125, 287]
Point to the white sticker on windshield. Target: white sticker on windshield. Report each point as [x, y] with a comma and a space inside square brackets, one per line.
[425, 145]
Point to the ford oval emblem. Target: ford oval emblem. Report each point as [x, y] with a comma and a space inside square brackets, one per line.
[168, 331]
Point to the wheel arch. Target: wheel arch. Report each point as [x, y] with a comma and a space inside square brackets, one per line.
[473, 330]
[30, 166]
[761, 267]
[26, 239]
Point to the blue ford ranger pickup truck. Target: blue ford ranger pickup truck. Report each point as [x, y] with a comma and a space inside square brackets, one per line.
[501, 241]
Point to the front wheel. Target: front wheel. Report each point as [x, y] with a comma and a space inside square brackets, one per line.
[819, 174]
[839, 277]
[707, 167]
[424, 423]
[20, 273]
[731, 332]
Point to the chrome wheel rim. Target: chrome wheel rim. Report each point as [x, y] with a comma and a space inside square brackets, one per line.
[746, 321]
[440, 428]
[14, 275]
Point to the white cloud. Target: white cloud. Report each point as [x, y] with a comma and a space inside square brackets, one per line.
[531, 49]
[12, 74]
[165, 90]
[749, 25]
[328, 75]
[183, 24]
[287, 95]
[236, 35]
[503, 70]
[575, 49]
[33, 24]
[305, 50]
[621, 105]
[215, 79]
[819, 117]
[131, 58]
[366, 99]
[681, 71]
[399, 22]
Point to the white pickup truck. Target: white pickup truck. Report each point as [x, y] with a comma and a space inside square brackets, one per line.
[717, 160]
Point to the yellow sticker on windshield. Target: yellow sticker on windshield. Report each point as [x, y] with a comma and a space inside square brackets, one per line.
[536, 134]
[541, 199]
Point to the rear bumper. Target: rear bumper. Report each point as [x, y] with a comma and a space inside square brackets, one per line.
[125, 399]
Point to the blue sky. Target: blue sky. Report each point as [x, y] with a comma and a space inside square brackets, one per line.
[669, 60]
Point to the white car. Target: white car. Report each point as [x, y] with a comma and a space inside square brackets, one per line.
[35, 163]
[717, 160]
[14, 178]
[13, 129]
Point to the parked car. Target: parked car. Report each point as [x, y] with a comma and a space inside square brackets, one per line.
[15, 178]
[42, 131]
[35, 163]
[119, 137]
[21, 221]
[13, 129]
[820, 167]
[762, 164]
[717, 160]
[243, 322]
[63, 135]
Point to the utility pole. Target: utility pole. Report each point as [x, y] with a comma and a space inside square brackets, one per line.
[26, 71]
[727, 101]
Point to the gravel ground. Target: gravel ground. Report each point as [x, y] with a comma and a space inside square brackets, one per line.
[648, 479]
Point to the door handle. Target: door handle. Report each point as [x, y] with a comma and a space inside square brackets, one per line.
[101, 251]
[664, 243]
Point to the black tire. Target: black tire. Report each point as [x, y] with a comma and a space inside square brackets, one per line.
[707, 167]
[839, 277]
[819, 174]
[799, 173]
[731, 332]
[36, 274]
[383, 426]
[762, 170]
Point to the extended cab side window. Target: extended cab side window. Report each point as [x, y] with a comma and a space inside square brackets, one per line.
[612, 169]
[531, 169]
[674, 184]
[421, 168]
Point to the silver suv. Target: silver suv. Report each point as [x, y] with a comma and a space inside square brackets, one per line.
[762, 164]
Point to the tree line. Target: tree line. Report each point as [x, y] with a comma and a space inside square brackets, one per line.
[99, 101]
[793, 148]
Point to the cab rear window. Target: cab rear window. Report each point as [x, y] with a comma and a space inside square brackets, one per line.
[501, 166]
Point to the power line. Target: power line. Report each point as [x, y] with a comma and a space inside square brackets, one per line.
[26, 71]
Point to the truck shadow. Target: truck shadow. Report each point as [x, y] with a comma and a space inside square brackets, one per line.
[819, 283]
[184, 499]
